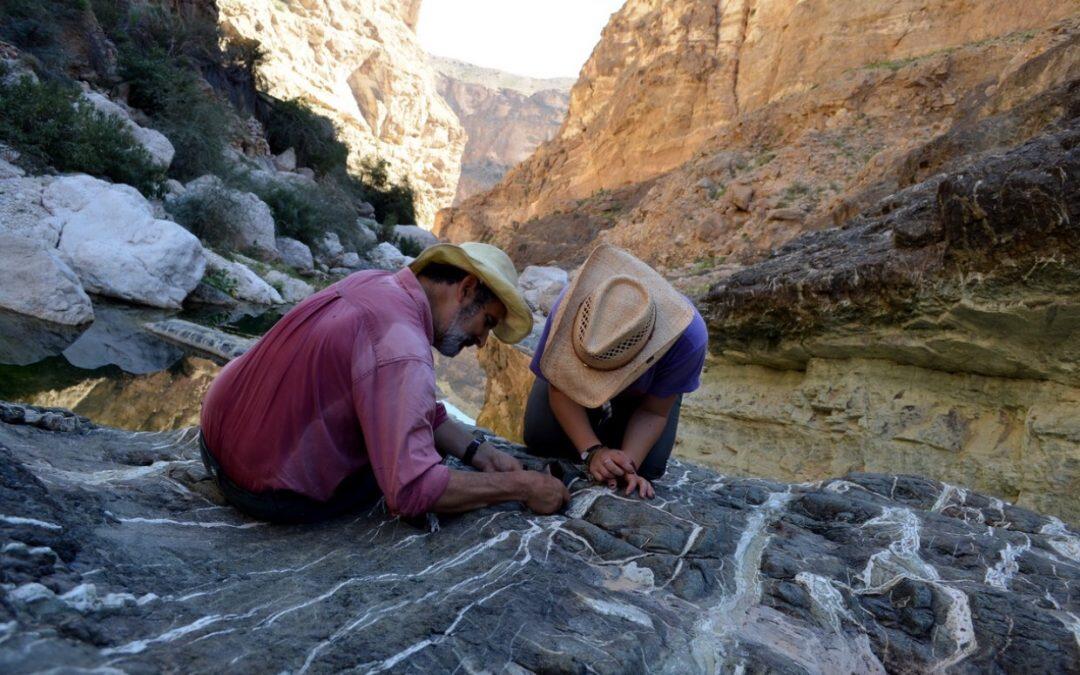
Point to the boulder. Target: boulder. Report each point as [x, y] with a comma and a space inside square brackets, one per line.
[117, 247]
[9, 170]
[250, 221]
[350, 259]
[240, 281]
[286, 161]
[34, 280]
[306, 173]
[385, 256]
[365, 210]
[295, 254]
[740, 195]
[22, 212]
[365, 230]
[541, 286]
[155, 142]
[330, 248]
[422, 237]
[290, 288]
[120, 553]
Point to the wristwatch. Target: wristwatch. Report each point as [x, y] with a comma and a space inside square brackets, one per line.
[474, 445]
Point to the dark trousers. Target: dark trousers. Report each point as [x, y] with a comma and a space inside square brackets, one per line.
[544, 436]
[355, 493]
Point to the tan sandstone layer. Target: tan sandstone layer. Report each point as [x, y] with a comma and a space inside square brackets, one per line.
[359, 63]
[505, 116]
[726, 128]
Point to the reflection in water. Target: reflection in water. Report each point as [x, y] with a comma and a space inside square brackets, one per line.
[169, 399]
[117, 338]
[25, 340]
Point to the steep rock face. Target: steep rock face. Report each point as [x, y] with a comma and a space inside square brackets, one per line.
[359, 63]
[936, 333]
[505, 117]
[117, 552]
[807, 103]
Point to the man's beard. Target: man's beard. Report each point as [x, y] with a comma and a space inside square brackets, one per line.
[455, 337]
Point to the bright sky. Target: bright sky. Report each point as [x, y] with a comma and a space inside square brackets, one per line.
[539, 38]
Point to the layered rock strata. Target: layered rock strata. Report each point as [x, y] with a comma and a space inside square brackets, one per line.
[701, 130]
[118, 553]
[505, 118]
[937, 333]
[359, 63]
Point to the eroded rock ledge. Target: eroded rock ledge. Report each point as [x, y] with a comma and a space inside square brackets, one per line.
[117, 552]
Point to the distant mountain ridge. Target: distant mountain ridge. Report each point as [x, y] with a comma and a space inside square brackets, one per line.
[497, 79]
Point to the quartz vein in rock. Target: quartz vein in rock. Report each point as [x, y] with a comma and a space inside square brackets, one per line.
[118, 553]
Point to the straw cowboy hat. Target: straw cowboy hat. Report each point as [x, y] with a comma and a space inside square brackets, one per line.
[495, 269]
[618, 317]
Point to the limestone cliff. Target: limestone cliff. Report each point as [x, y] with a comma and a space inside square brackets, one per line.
[359, 63]
[936, 333]
[728, 127]
[505, 117]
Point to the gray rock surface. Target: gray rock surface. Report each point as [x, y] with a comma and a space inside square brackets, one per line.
[245, 284]
[541, 286]
[295, 254]
[291, 289]
[117, 552]
[386, 256]
[207, 340]
[159, 147]
[422, 237]
[116, 245]
[25, 340]
[34, 280]
[251, 223]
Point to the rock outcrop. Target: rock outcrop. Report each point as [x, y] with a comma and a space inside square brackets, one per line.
[36, 281]
[936, 333]
[359, 63]
[117, 552]
[108, 234]
[505, 117]
[806, 112]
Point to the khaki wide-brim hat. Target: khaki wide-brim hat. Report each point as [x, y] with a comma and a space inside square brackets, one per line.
[495, 269]
[591, 386]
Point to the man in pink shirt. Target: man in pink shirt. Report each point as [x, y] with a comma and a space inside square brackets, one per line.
[335, 406]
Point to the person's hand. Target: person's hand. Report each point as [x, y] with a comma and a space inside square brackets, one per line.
[544, 493]
[489, 458]
[607, 464]
[644, 488]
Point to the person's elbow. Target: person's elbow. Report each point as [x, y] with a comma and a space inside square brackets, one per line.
[418, 496]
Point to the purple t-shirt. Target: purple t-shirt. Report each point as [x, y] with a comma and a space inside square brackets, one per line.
[677, 372]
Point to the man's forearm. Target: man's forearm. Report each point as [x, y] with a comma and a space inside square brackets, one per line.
[573, 419]
[642, 432]
[468, 490]
[452, 437]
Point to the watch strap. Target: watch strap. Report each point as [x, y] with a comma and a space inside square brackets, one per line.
[470, 451]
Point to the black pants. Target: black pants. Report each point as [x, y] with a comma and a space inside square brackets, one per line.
[355, 493]
[544, 436]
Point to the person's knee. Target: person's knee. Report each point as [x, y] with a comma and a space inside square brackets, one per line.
[654, 471]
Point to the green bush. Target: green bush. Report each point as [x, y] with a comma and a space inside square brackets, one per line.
[197, 122]
[37, 26]
[51, 126]
[292, 124]
[304, 212]
[394, 203]
[209, 214]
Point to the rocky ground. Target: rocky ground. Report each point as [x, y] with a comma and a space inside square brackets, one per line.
[118, 553]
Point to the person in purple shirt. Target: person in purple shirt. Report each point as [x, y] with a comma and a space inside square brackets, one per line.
[616, 355]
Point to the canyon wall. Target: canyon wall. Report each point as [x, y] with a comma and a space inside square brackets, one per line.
[505, 118]
[726, 128]
[359, 63]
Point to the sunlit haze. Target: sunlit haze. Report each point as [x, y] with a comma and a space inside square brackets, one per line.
[539, 38]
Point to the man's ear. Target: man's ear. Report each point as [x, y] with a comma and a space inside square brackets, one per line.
[467, 288]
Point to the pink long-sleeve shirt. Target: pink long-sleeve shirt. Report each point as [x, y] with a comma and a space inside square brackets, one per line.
[344, 380]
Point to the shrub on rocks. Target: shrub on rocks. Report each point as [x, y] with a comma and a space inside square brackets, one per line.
[313, 138]
[50, 125]
[225, 218]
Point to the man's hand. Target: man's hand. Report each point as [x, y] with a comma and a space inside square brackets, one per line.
[607, 464]
[489, 458]
[544, 493]
[643, 487]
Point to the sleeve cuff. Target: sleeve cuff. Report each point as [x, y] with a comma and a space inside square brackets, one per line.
[420, 496]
